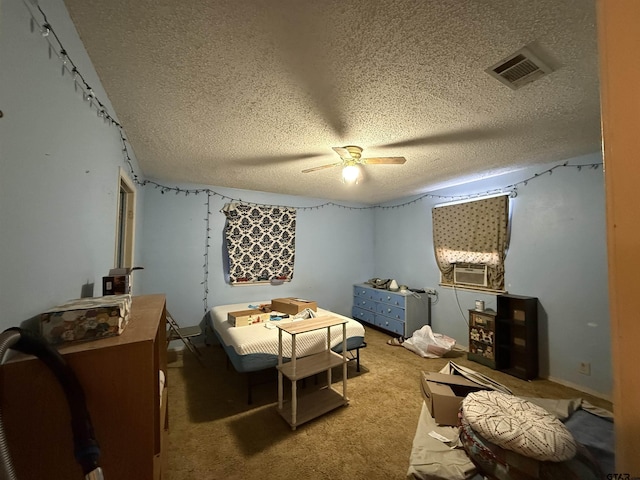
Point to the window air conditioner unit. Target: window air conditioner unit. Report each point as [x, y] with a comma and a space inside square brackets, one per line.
[472, 275]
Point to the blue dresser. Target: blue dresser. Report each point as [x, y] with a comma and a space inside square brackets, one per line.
[395, 312]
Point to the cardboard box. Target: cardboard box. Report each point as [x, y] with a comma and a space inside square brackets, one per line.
[292, 305]
[86, 319]
[244, 318]
[444, 393]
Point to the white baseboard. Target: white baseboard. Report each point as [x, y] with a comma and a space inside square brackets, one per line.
[604, 396]
[601, 395]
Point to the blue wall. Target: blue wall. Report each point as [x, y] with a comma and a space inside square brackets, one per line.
[59, 170]
[334, 250]
[58, 187]
[557, 253]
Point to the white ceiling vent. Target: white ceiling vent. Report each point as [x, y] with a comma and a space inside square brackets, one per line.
[520, 68]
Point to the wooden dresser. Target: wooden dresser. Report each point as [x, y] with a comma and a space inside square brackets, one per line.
[121, 380]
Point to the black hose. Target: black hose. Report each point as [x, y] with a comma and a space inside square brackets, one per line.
[86, 448]
[7, 470]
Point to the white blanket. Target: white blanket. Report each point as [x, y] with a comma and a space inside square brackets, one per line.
[258, 338]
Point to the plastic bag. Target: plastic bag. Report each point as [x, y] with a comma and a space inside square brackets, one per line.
[428, 344]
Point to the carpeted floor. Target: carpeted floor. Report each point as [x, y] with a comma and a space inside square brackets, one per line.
[214, 434]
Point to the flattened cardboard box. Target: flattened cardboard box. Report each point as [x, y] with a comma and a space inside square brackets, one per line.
[244, 318]
[443, 394]
[292, 305]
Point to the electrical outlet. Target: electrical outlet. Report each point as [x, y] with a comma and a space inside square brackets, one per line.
[585, 368]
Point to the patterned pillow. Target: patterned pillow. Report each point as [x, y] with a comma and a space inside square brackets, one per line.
[501, 464]
[518, 425]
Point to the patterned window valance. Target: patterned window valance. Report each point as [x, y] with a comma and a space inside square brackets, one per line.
[472, 232]
[260, 242]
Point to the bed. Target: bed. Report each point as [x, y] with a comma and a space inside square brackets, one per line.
[254, 348]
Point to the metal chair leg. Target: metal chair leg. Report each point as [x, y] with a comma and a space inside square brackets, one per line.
[177, 333]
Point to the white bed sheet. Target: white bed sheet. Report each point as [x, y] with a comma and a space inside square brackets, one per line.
[257, 339]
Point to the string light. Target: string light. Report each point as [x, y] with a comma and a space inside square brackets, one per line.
[205, 283]
[55, 46]
[47, 32]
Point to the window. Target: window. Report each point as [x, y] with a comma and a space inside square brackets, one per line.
[472, 233]
[125, 222]
[260, 243]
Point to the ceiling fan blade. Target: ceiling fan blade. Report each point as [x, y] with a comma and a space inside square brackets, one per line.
[322, 167]
[343, 152]
[384, 160]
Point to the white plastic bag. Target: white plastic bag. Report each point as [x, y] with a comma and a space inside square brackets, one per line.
[428, 344]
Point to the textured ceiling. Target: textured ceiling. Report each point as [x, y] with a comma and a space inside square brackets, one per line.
[247, 94]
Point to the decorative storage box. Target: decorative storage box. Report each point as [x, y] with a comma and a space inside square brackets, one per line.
[244, 318]
[86, 319]
[292, 305]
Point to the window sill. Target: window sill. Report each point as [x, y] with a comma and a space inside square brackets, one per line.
[469, 288]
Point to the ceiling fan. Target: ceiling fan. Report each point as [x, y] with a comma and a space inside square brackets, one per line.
[351, 159]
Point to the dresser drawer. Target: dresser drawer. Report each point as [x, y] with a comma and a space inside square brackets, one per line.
[390, 298]
[390, 311]
[364, 303]
[390, 324]
[364, 292]
[363, 315]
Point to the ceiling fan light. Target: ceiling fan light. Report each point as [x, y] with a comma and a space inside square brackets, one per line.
[351, 174]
